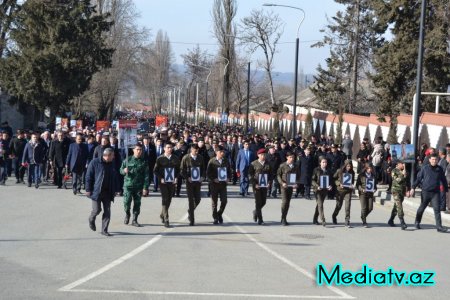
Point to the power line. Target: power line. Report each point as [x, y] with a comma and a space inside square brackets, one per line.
[217, 44]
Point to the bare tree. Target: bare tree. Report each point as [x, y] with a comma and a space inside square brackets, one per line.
[263, 30]
[223, 13]
[127, 38]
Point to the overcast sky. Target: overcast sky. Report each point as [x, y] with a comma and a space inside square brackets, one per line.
[189, 22]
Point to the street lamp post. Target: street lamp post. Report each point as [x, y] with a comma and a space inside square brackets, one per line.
[248, 98]
[223, 87]
[207, 81]
[294, 132]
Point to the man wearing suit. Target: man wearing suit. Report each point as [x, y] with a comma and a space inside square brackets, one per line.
[243, 160]
[234, 152]
[59, 149]
[159, 149]
[149, 150]
[76, 162]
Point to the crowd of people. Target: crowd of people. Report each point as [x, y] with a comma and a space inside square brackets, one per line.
[214, 157]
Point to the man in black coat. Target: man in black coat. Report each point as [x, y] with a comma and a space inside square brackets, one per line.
[59, 148]
[306, 167]
[16, 147]
[102, 184]
[76, 162]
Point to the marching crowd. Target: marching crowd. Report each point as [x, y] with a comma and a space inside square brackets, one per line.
[165, 159]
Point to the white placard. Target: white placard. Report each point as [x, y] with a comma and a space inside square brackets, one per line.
[324, 181]
[195, 174]
[291, 179]
[370, 185]
[347, 180]
[263, 180]
[222, 174]
[169, 174]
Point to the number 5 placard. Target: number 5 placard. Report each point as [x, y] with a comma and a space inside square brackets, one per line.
[370, 185]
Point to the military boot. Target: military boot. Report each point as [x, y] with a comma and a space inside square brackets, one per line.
[391, 220]
[127, 217]
[135, 221]
[403, 224]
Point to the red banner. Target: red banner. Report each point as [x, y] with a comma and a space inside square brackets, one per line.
[161, 121]
[133, 124]
[102, 125]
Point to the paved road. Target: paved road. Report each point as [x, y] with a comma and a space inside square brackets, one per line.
[48, 252]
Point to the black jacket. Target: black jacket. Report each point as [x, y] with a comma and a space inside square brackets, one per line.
[431, 178]
[58, 152]
[94, 178]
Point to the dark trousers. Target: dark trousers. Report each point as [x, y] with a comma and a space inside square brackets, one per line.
[443, 201]
[155, 182]
[34, 173]
[340, 197]
[320, 199]
[58, 176]
[179, 184]
[104, 200]
[194, 196]
[77, 178]
[218, 190]
[18, 169]
[260, 201]
[434, 198]
[366, 200]
[286, 196]
[167, 190]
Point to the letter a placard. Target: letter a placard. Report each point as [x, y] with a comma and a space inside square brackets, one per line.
[222, 174]
[262, 180]
[169, 174]
[195, 174]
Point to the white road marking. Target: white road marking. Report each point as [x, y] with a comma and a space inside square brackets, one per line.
[342, 294]
[205, 294]
[117, 261]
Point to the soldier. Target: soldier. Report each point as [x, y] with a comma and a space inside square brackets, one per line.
[136, 181]
[260, 175]
[367, 186]
[398, 191]
[344, 180]
[287, 177]
[218, 171]
[167, 169]
[322, 185]
[193, 170]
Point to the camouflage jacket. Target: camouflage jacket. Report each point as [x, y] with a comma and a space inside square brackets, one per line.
[257, 168]
[398, 182]
[138, 173]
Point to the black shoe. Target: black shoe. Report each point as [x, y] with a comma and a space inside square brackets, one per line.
[127, 219]
[135, 221]
[248, 194]
[92, 225]
[324, 224]
[59, 187]
[391, 223]
[17, 181]
[404, 226]
[216, 222]
[365, 225]
[255, 217]
[417, 225]
[284, 222]
[442, 229]
[162, 218]
[74, 192]
[36, 186]
[315, 222]
[220, 219]
[334, 220]
[106, 233]
[178, 195]
[191, 223]
[29, 184]
[166, 224]
[261, 222]
[347, 224]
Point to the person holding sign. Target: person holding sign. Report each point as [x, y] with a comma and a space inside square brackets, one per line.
[218, 171]
[367, 186]
[287, 177]
[193, 170]
[136, 180]
[322, 184]
[260, 174]
[167, 169]
[344, 180]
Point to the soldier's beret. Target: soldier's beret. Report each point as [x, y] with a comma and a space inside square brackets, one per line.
[261, 151]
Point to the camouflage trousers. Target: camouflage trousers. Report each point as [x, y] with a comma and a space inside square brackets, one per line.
[130, 195]
[398, 205]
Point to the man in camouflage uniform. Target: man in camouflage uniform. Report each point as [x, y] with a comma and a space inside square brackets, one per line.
[285, 169]
[257, 167]
[136, 180]
[190, 161]
[398, 191]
